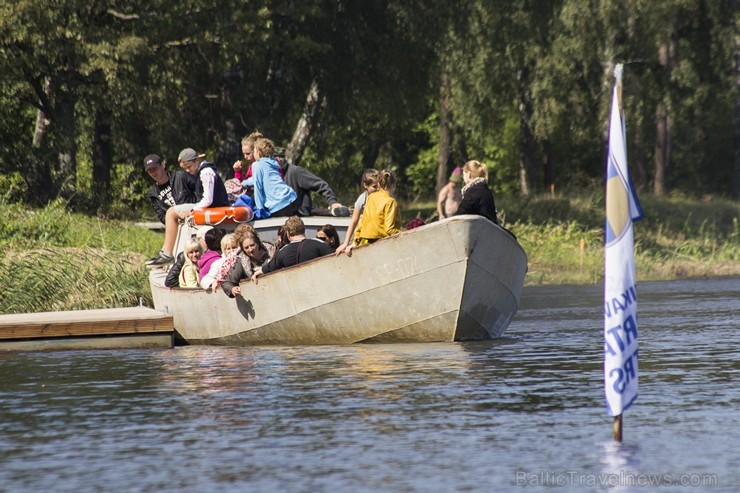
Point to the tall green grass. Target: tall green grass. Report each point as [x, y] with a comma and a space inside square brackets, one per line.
[51, 259]
[564, 236]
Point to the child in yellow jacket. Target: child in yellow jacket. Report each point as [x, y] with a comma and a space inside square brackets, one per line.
[382, 217]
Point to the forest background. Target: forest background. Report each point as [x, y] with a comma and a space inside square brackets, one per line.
[89, 88]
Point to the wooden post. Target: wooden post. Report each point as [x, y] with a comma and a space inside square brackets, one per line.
[583, 244]
[618, 428]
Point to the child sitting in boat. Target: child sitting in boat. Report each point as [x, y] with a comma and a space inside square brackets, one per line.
[228, 246]
[370, 184]
[477, 198]
[381, 217]
[212, 253]
[328, 234]
[253, 253]
[272, 196]
[188, 277]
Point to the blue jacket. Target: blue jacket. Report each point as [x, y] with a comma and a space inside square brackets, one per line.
[271, 193]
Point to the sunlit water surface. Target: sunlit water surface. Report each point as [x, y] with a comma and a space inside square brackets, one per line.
[525, 412]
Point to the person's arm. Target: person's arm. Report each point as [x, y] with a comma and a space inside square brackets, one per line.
[309, 181]
[350, 231]
[160, 208]
[208, 179]
[238, 172]
[441, 198]
[232, 279]
[173, 276]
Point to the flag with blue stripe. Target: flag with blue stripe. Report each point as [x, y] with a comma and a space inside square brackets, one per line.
[620, 294]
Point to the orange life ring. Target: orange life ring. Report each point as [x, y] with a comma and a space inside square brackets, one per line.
[214, 216]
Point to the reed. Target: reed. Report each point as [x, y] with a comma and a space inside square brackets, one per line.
[564, 236]
[52, 259]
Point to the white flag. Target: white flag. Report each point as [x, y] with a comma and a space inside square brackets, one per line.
[620, 295]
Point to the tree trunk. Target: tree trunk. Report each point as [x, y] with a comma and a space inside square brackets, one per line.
[667, 58]
[66, 133]
[42, 119]
[527, 160]
[445, 134]
[229, 148]
[312, 109]
[370, 153]
[548, 165]
[102, 153]
[662, 149]
[640, 163]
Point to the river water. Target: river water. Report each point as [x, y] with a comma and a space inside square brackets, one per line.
[522, 413]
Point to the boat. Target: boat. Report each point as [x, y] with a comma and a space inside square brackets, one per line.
[457, 279]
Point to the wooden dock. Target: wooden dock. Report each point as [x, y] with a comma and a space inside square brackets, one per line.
[111, 328]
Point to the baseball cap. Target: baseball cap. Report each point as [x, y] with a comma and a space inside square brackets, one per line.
[189, 154]
[152, 161]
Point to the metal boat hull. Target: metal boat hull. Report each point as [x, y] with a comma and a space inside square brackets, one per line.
[457, 279]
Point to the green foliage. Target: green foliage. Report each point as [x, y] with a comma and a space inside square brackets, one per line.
[56, 260]
[159, 76]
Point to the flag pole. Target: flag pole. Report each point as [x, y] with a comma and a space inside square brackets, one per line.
[617, 424]
[620, 295]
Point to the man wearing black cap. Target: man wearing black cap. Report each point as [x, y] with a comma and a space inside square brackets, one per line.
[169, 188]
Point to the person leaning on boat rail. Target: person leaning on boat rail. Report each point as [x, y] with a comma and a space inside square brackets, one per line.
[169, 188]
[370, 184]
[382, 217]
[209, 191]
[304, 182]
[300, 249]
[477, 197]
[188, 277]
[253, 253]
[228, 247]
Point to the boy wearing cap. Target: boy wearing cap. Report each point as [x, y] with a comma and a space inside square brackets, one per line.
[209, 192]
[169, 189]
[450, 195]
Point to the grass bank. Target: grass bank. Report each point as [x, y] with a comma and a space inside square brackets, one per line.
[564, 236]
[51, 259]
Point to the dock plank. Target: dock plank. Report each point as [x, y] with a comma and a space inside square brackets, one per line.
[108, 321]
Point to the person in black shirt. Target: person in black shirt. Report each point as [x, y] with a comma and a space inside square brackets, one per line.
[477, 198]
[169, 188]
[299, 250]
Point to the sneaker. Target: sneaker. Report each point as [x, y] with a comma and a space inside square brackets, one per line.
[340, 211]
[160, 259]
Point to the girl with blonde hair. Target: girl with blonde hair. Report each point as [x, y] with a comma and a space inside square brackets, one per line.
[477, 198]
[190, 272]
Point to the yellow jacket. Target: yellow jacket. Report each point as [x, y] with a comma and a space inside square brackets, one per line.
[380, 218]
